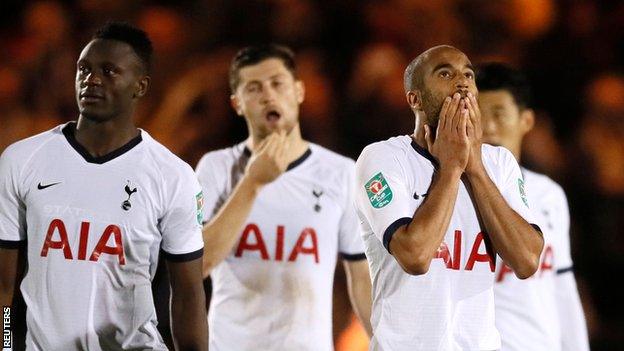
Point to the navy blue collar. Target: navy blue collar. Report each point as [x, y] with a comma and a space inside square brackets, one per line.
[291, 165]
[69, 131]
[424, 153]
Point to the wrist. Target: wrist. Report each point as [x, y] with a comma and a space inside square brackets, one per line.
[250, 184]
[449, 172]
[476, 172]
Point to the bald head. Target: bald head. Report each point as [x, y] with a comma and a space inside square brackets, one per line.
[413, 78]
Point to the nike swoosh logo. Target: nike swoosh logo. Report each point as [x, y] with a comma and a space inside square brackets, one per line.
[41, 187]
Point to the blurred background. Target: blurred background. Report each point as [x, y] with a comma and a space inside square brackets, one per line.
[351, 56]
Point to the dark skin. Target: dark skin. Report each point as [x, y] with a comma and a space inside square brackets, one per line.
[110, 79]
[453, 137]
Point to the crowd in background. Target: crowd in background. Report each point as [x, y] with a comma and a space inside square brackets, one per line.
[351, 56]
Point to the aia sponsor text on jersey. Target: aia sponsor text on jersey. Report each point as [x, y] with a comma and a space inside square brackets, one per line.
[57, 239]
[253, 240]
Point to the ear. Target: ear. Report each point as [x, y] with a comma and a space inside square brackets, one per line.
[300, 91]
[527, 120]
[142, 86]
[414, 99]
[235, 103]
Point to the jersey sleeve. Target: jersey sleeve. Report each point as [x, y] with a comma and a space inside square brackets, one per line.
[350, 241]
[12, 208]
[182, 221]
[563, 262]
[209, 181]
[512, 186]
[381, 193]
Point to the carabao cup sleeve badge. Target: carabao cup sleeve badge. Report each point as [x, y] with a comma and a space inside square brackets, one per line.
[378, 191]
[199, 198]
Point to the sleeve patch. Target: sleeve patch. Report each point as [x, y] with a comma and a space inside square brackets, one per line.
[522, 192]
[378, 191]
[199, 198]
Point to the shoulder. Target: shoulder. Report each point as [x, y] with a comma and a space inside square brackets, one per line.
[390, 148]
[542, 184]
[166, 162]
[222, 158]
[497, 155]
[22, 151]
[331, 158]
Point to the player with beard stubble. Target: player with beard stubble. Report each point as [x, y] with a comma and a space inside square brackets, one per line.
[436, 208]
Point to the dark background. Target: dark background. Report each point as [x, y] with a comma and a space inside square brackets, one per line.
[351, 56]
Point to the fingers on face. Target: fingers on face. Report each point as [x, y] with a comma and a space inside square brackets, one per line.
[470, 129]
[473, 108]
[463, 120]
[452, 112]
[443, 112]
[457, 117]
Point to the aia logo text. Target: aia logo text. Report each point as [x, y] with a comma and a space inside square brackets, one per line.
[452, 260]
[57, 239]
[307, 244]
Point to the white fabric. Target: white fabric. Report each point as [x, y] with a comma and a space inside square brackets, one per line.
[267, 295]
[446, 308]
[77, 299]
[528, 311]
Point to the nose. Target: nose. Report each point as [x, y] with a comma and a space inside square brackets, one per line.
[461, 83]
[268, 95]
[91, 79]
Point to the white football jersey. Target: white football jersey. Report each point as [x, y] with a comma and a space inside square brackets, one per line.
[274, 290]
[451, 307]
[94, 228]
[526, 310]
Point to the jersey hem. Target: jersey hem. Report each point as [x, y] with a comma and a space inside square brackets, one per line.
[392, 228]
[185, 257]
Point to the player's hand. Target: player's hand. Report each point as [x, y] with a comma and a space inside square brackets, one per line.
[270, 159]
[451, 146]
[475, 135]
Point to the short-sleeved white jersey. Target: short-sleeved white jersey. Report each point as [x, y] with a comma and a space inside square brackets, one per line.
[274, 290]
[526, 310]
[451, 307]
[93, 229]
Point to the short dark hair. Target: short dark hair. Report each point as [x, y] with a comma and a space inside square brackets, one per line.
[498, 76]
[252, 55]
[135, 37]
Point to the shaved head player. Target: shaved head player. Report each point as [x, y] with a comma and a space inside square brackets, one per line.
[94, 202]
[436, 207]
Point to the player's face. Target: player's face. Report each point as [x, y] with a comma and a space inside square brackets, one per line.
[504, 124]
[446, 71]
[109, 79]
[268, 96]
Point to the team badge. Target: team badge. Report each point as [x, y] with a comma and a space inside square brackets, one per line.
[126, 205]
[199, 198]
[522, 193]
[317, 192]
[378, 191]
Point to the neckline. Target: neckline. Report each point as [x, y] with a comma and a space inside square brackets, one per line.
[291, 165]
[69, 131]
[424, 152]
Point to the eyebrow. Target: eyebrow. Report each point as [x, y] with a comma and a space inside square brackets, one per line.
[278, 75]
[448, 65]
